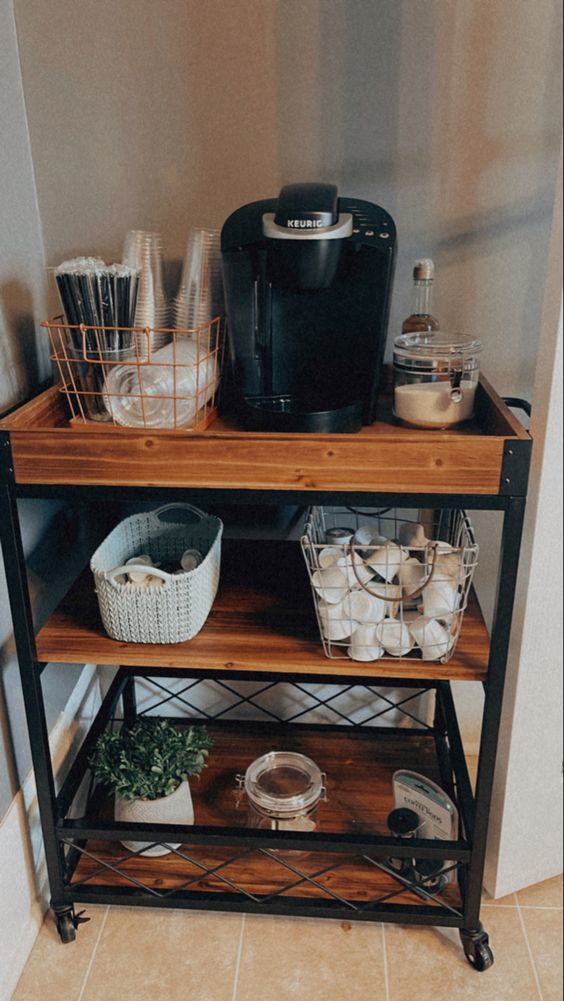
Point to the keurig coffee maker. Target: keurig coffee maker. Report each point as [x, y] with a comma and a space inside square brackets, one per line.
[308, 280]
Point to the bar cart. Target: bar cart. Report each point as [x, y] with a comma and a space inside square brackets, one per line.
[262, 631]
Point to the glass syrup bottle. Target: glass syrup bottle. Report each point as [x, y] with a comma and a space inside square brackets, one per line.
[422, 317]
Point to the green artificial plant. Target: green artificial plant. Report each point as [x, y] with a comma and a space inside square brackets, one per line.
[150, 758]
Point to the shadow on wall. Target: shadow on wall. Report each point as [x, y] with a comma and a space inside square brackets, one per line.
[19, 363]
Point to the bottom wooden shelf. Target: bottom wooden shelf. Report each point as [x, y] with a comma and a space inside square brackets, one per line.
[359, 764]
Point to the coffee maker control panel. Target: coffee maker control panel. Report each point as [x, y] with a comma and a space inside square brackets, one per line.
[368, 226]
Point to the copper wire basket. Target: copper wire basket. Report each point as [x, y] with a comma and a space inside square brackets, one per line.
[139, 377]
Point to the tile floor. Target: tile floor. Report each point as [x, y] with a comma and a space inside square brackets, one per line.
[150, 955]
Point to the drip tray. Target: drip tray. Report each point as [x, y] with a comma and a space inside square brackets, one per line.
[289, 413]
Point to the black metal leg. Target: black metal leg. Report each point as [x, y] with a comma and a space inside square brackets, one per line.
[14, 562]
[129, 701]
[499, 645]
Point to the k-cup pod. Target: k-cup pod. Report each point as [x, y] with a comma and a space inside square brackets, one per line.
[356, 576]
[328, 556]
[365, 536]
[412, 575]
[412, 535]
[391, 594]
[366, 608]
[336, 621]
[364, 644]
[449, 564]
[431, 637]
[190, 559]
[386, 560]
[331, 584]
[440, 599]
[395, 637]
[338, 536]
[137, 576]
[151, 581]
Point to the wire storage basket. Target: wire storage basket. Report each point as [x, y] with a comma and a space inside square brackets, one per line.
[139, 377]
[389, 582]
[176, 605]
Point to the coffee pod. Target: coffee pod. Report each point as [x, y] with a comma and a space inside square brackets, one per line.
[338, 536]
[412, 575]
[366, 608]
[386, 560]
[331, 584]
[432, 638]
[137, 576]
[391, 594]
[394, 637]
[359, 574]
[151, 581]
[449, 564]
[328, 556]
[412, 535]
[190, 559]
[440, 599]
[364, 645]
[366, 537]
[336, 620]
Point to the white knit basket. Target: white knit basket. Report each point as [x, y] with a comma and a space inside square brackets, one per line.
[177, 610]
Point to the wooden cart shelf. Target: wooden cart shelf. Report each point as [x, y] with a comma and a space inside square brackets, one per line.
[383, 457]
[262, 620]
[359, 767]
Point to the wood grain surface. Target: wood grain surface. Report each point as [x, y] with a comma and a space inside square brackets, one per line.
[263, 619]
[359, 767]
[384, 456]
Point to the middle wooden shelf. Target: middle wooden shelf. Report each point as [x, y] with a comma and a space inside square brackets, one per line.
[262, 620]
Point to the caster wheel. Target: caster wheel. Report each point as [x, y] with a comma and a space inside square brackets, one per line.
[477, 949]
[482, 958]
[66, 927]
[67, 923]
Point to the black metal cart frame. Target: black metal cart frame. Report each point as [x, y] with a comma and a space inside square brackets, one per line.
[66, 839]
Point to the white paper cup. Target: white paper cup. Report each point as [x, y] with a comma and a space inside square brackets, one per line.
[449, 564]
[386, 560]
[336, 620]
[328, 556]
[331, 584]
[395, 637]
[365, 536]
[366, 608]
[360, 572]
[412, 535]
[432, 638]
[364, 645]
[412, 575]
[440, 599]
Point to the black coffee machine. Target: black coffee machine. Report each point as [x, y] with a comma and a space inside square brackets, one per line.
[308, 281]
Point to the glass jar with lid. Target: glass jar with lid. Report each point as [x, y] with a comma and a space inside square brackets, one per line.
[435, 378]
[283, 791]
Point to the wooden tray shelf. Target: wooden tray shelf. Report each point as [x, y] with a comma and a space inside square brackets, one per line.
[262, 620]
[359, 766]
[384, 457]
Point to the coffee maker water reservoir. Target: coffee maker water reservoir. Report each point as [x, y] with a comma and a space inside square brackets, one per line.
[308, 281]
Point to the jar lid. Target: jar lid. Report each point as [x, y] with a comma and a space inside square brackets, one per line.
[283, 783]
[435, 344]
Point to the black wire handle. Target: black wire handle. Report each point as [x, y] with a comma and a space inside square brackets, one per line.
[386, 597]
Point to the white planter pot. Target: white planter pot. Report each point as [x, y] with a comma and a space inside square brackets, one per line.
[174, 809]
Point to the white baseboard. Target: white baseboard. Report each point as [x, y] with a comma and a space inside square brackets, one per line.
[24, 890]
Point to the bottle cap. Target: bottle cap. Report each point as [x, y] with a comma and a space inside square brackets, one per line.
[424, 270]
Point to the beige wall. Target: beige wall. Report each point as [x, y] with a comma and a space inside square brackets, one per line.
[172, 114]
